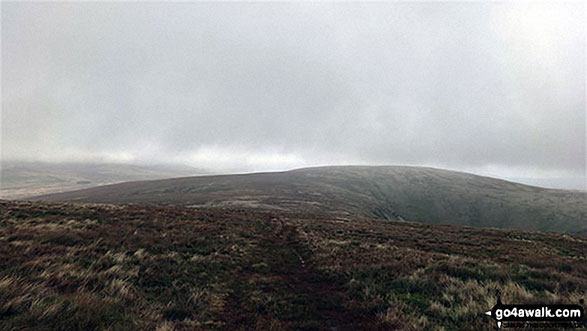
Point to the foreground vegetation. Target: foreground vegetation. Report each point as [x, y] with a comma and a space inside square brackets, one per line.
[85, 266]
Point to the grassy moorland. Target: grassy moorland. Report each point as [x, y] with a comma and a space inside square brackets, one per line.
[384, 192]
[87, 266]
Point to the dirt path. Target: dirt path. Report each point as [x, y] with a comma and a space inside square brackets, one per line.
[318, 301]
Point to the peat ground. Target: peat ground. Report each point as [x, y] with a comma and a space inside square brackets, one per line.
[107, 267]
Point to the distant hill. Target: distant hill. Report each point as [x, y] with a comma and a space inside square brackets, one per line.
[567, 183]
[21, 179]
[386, 192]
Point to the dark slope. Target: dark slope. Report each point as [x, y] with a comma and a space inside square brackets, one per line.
[98, 267]
[410, 193]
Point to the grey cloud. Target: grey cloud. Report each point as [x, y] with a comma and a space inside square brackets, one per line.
[458, 85]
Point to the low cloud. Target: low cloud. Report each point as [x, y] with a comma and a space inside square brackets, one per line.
[267, 86]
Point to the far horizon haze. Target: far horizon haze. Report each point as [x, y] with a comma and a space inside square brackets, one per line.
[491, 88]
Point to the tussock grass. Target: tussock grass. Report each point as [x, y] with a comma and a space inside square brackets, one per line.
[103, 267]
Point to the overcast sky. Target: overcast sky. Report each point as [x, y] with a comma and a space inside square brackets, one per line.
[491, 88]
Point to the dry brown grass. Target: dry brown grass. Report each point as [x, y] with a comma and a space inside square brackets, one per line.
[103, 267]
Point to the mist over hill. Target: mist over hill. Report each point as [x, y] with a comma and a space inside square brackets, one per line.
[103, 228]
[19, 179]
[385, 192]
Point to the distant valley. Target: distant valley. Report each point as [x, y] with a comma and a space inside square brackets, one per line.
[23, 179]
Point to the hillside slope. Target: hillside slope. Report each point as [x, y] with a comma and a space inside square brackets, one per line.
[410, 193]
[94, 267]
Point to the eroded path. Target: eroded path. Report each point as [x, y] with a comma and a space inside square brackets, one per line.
[294, 293]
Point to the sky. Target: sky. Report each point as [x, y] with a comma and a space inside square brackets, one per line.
[491, 88]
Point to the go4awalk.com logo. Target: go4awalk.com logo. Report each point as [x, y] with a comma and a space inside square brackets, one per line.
[537, 316]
